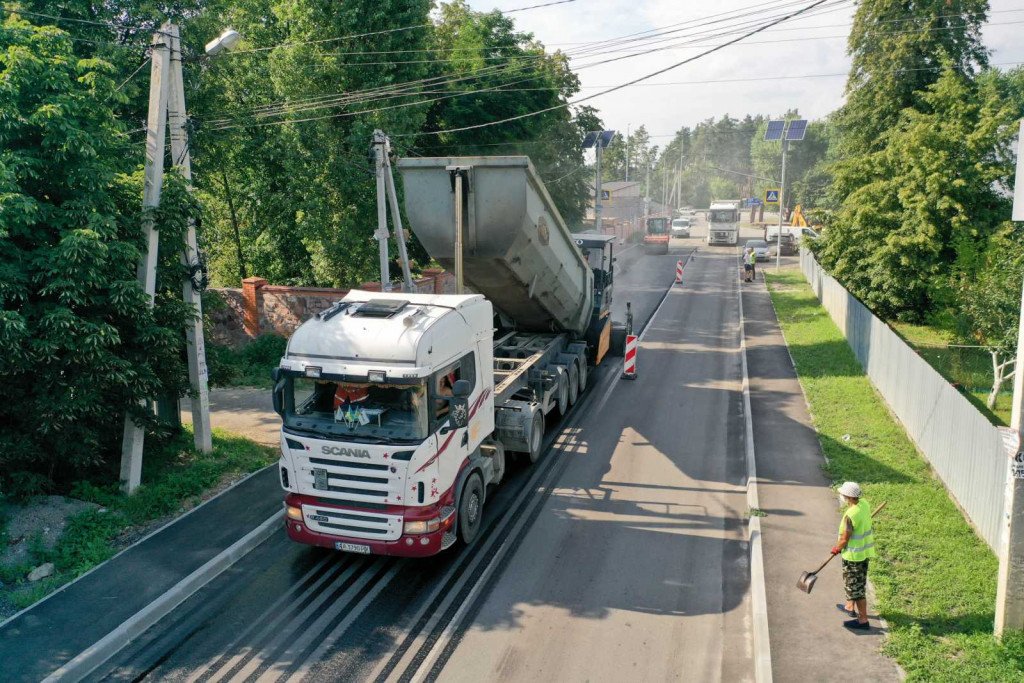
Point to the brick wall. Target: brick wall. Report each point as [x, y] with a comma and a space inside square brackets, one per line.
[260, 308]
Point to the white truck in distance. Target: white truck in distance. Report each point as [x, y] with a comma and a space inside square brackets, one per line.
[724, 222]
[399, 410]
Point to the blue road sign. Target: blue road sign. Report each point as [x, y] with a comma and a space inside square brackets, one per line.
[771, 196]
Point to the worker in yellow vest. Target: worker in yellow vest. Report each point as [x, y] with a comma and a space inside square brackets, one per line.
[857, 546]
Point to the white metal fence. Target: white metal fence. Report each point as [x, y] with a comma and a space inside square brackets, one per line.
[963, 447]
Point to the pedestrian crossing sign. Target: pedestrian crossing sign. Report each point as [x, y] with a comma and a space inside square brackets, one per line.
[771, 196]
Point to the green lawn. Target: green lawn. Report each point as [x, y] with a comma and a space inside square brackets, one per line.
[175, 477]
[935, 578]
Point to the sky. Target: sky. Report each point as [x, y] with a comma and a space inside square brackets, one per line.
[790, 66]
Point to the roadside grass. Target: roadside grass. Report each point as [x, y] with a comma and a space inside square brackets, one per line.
[935, 578]
[175, 478]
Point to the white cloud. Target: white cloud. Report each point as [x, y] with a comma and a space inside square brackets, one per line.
[799, 47]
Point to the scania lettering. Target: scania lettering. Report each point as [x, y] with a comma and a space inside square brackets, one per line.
[723, 222]
[399, 411]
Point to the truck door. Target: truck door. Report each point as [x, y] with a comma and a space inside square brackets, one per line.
[453, 445]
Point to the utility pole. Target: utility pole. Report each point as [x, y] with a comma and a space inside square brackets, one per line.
[182, 159]
[782, 203]
[382, 150]
[647, 193]
[1010, 587]
[156, 130]
[597, 189]
[382, 216]
[234, 222]
[627, 151]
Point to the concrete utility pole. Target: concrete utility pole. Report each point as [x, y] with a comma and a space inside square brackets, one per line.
[782, 195]
[1010, 589]
[389, 197]
[597, 189]
[156, 130]
[181, 158]
[382, 216]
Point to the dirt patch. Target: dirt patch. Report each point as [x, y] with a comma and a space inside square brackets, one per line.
[37, 525]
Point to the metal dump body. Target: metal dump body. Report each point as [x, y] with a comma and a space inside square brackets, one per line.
[517, 251]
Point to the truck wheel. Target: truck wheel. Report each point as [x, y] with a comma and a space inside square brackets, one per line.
[536, 437]
[583, 375]
[471, 509]
[574, 382]
[563, 393]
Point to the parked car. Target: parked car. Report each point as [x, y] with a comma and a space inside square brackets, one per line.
[760, 248]
[807, 233]
[788, 244]
[680, 227]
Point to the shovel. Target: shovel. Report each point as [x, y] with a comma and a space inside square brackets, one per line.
[807, 579]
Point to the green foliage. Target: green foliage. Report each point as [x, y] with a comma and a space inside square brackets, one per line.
[923, 205]
[989, 299]
[249, 366]
[804, 174]
[80, 346]
[935, 578]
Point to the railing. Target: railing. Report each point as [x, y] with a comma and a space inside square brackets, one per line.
[962, 446]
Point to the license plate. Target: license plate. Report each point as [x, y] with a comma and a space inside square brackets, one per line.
[352, 548]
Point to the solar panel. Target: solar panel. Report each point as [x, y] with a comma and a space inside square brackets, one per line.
[774, 131]
[605, 138]
[797, 129]
[591, 138]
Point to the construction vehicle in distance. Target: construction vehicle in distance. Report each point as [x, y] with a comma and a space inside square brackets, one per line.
[400, 410]
[724, 222]
[656, 234]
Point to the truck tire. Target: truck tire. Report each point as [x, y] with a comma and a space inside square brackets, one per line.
[563, 393]
[583, 375]
[574, 382]
[471, 509]
[536, 438]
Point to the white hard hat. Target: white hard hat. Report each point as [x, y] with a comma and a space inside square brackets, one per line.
[850, 489]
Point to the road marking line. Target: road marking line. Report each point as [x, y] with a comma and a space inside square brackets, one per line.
[758, 594]
[86, 661]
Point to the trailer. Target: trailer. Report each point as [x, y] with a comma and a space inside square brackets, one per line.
[401, 410]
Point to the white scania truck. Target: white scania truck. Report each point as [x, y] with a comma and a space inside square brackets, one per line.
[399, 410]
[724, 222]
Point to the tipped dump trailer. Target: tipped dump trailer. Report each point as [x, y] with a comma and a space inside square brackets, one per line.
[400, 409]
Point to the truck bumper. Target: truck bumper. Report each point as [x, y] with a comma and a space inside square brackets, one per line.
[408, 545]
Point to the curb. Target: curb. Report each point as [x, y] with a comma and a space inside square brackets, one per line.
[758, 593]
[99, 652]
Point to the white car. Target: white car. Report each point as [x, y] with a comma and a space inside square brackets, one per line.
[680, 227]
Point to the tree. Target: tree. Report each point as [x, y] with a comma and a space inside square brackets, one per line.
[932, 203]
[79, 343]
[803, 156]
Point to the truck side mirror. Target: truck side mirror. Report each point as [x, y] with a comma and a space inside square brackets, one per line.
[462, 388]
[278, 395]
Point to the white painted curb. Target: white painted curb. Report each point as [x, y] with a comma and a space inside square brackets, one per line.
[758, 594]
[87, 661]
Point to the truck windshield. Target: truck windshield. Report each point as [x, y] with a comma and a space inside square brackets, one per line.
[724, 216]
[387, 413]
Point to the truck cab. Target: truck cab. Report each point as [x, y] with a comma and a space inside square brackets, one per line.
[723, 223]
[367, 395]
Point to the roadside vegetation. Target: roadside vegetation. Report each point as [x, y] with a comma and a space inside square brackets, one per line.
[175, 478]
[248, 366]
[935, 578]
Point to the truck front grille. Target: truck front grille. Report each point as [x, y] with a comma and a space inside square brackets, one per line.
[362, 482]
[326, 520]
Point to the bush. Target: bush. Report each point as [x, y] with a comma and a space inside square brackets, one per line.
[249, 366]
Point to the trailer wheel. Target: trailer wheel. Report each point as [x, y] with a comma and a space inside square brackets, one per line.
[583, 375]
[536, 437]
[471, 509]
[574, 382]
[563, 393]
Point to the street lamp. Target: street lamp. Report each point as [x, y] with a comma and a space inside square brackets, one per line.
[225, 41]
[784, 130]
[598, 139]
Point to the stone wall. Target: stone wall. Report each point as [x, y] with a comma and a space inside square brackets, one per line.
[260, 308]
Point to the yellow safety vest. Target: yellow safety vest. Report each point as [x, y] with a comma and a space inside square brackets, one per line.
[752, 257]
[861, 545]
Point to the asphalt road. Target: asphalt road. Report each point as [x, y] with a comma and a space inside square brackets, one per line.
[636, 565]
[291, 612]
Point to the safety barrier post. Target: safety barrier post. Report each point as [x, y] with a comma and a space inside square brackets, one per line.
[632, 342]
[679, 272]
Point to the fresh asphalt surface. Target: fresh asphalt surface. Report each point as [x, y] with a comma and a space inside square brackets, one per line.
[291, 612]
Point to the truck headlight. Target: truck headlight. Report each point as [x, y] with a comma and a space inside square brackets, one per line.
[293, 512]
[423, 526]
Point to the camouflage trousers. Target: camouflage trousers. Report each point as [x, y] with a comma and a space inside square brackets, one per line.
[855, 576]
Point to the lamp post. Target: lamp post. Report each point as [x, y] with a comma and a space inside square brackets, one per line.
[167, 110]
[785, 131]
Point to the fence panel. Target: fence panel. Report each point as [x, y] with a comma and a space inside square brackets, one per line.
[959, 442]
